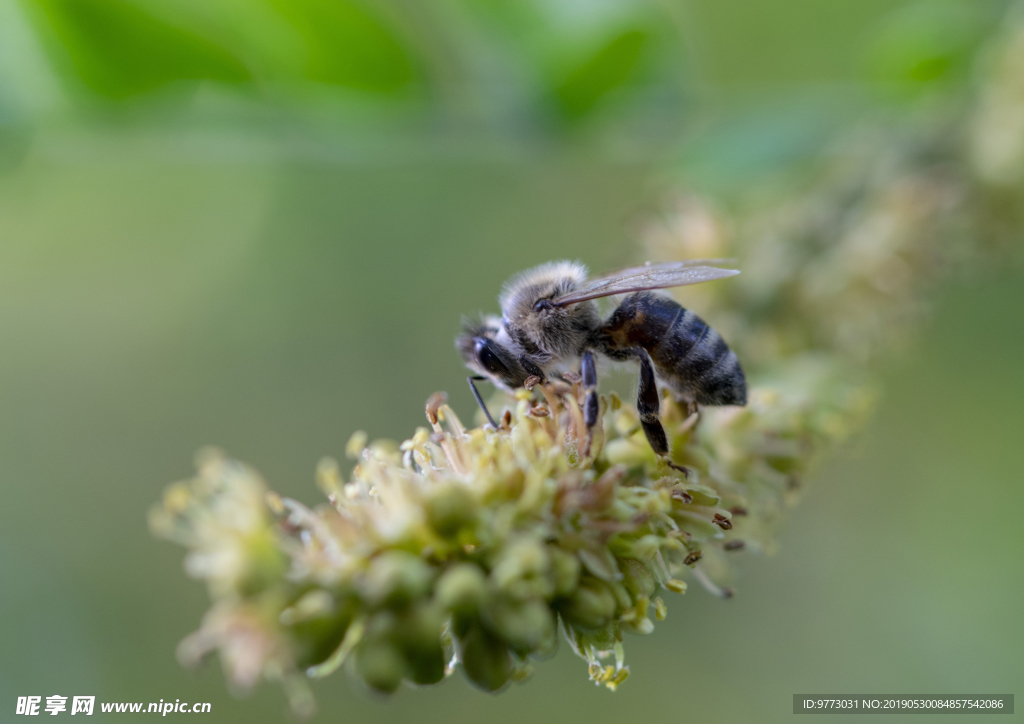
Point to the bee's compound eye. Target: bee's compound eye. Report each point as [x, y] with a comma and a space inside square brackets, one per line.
[488, 359]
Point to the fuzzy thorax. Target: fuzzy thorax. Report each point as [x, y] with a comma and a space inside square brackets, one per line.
[547, 333]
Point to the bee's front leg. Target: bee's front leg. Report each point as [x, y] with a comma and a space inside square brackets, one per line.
[532, 368]
[480, 400]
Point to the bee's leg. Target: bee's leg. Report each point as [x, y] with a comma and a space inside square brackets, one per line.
[531, 367]
[590, 406]
[648, 404]
[480, 400]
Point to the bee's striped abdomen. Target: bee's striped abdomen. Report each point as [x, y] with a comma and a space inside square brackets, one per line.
[690, 356]
[701, 362]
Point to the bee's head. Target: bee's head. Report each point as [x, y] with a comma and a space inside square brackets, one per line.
[483, 353]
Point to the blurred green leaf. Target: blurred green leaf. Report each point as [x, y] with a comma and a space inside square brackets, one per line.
[15, 136]
[348, 46]
[118, 49]
[926, 45]
[754, 143]
[509, 16]
[614, 64]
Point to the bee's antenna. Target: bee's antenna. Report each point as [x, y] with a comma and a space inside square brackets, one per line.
[480, 400]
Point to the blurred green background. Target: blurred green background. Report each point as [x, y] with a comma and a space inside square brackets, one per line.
[256, 224]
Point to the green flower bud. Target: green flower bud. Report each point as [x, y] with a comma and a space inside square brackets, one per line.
[395, 577]
[591, 606]
[426, 666]
[315, 641]
[418, 632]
[600, 562]
[644, 548]
[314, 604]
[461, 588]
[486, 659]
[565, 570]
[602, 639]
[316, 626]
[420, 625]
[525, 625]
[622, 597]
[637, 578]
[628, 451]
[449, 508]
[265, 563]
[380, 665]
[521, 571]
[381, 626]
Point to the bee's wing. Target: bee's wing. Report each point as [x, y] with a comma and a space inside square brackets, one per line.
[650, 276]
[648, 266]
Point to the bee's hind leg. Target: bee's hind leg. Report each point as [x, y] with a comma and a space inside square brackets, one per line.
[648, 404]
[591, 406]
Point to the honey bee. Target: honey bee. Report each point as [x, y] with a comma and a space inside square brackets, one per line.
[551, 327]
